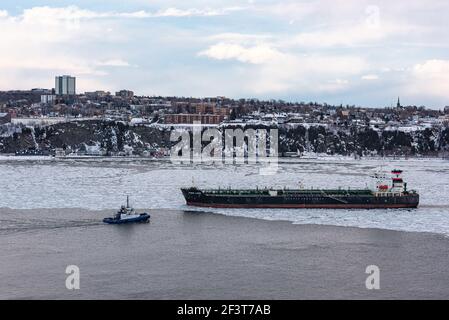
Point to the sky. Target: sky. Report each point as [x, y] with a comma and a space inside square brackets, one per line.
[354, 52]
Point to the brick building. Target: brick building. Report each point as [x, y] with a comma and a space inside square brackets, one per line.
[185, 118]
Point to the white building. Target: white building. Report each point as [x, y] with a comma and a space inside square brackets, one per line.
[48, 98]
[65, 85]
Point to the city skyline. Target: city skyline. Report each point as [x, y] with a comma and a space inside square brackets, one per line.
[358, 52]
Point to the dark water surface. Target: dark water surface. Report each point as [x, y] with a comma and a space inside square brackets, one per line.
[194, 255]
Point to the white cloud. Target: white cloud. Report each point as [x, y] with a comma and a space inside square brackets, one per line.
[42, 42]
[360, 34]
[370, 77]
[113, 63]
[52, 14]
[308, 74]
[330, 46]
[240, 38]
[430, 78]
[256, 55]
[432, 69]
[174, 12]
[288, 10]
[270, 70]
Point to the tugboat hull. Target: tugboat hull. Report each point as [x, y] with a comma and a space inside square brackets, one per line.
[142, 218]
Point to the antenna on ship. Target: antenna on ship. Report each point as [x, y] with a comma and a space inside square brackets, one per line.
[127, 201]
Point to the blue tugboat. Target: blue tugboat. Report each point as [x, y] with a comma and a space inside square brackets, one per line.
[128, 215]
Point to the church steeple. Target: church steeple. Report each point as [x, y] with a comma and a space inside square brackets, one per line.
[399, 103]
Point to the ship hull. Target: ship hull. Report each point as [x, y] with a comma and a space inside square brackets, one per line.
[302, 206]
[300, 200]
[142, 218]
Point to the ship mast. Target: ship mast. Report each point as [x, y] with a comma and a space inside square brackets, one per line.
[380, 178]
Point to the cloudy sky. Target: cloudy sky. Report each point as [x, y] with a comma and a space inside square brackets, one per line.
[337, 51]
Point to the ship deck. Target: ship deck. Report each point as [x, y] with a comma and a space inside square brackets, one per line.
[267, 192]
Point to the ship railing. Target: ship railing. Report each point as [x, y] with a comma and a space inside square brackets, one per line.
[388, 194]
[328, 193]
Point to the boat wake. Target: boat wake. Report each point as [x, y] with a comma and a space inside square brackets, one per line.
[30, 225]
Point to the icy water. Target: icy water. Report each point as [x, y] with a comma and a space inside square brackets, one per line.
[99, 184]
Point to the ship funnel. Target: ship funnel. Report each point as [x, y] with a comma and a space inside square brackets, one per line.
[396, 172]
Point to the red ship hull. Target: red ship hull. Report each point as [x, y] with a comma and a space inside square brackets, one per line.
[303, 206]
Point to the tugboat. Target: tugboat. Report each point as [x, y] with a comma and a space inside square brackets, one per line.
[385, 196]
[128, 215]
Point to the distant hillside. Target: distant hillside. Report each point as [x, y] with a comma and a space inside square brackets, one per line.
[365, 141]
[115, 137]
[109, 136]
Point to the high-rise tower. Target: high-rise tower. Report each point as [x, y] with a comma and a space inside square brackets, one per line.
[65, 85]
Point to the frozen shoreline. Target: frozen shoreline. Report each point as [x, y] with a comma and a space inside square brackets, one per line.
[320, 157]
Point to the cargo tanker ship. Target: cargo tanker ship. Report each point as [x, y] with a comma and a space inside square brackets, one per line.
[394, 195]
